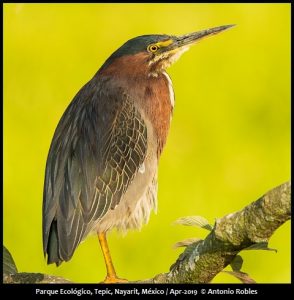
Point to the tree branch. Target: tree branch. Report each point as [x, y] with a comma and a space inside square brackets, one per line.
[203, 260]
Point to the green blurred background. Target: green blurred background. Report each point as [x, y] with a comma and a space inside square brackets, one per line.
[229, 141]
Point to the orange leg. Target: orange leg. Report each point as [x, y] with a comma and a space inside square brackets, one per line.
[111, 275]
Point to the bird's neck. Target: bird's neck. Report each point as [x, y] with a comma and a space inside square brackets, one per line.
[152, 94]
[157, 101]
[155, 97]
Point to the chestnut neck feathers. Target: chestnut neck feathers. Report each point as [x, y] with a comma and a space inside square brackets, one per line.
[148, 86]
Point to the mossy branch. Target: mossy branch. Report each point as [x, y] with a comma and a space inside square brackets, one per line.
[203, 260]
[256, 223]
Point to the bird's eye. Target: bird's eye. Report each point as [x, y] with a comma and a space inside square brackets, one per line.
[152, 48]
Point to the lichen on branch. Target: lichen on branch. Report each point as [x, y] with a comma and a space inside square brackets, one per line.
[202, 261]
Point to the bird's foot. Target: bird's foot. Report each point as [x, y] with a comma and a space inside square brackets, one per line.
[114, 279]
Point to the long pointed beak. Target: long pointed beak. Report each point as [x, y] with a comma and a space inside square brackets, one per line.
[192, 38]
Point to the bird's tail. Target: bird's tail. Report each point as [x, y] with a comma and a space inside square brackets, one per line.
[52, 246]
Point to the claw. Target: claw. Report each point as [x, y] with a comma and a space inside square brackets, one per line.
[113, 279]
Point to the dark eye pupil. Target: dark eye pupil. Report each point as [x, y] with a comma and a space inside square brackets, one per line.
[153, 48]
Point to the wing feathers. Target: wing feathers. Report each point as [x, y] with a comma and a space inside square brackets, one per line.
[97, 149]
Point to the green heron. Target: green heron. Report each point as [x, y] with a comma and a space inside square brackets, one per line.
[101, 170]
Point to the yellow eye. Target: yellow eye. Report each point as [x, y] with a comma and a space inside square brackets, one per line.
[152, 48]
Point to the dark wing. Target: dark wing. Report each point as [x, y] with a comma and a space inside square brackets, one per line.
[98, 147]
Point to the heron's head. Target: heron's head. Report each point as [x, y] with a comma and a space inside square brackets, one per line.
[154, 53]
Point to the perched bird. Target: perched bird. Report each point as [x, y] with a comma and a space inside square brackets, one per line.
[101, 170]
